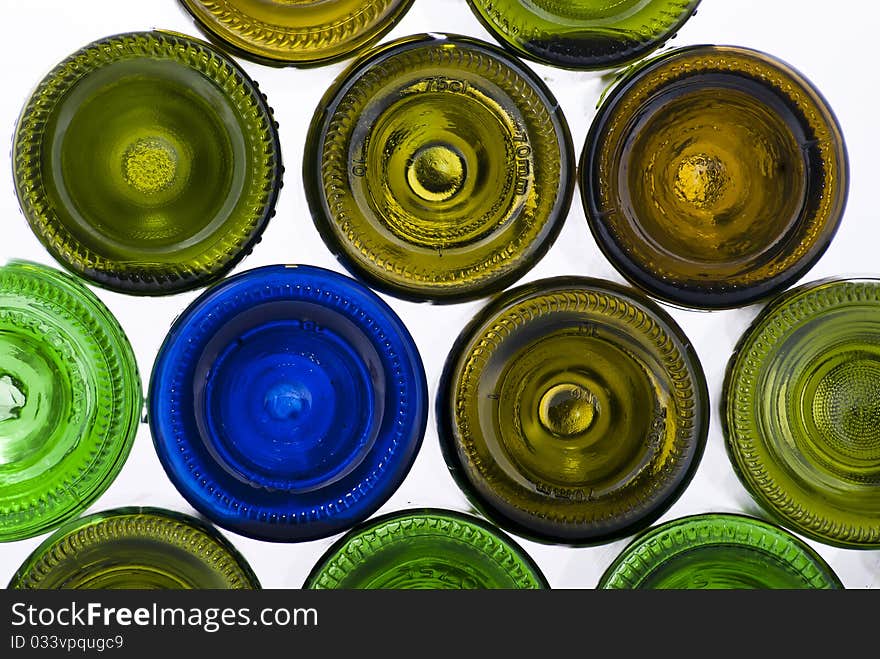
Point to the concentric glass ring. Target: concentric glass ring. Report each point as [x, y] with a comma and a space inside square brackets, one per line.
[573, 410]
[70, 399]
[802, 411]
[288, 403]
[148, 163]
[439, 168]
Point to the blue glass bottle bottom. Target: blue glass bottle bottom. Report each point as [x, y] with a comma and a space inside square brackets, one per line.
[288, 403]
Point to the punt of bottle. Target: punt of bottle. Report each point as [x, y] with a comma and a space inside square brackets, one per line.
[439, 168]
[70, 399]
[298, 32]
[802, 411]
[288, 403]
[573, 410]
[722, 552]
[147, 162]
[714, 176]
[427, 550]
[583, 34]
[135, 549]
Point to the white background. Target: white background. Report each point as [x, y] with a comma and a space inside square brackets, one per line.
[836, 49]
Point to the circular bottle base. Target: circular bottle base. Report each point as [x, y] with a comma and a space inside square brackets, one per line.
[718, 551]
[572, 410]
[425, 550]
[439, 168]
[135, 548]
[148, 163]
[714, 176]
[801, 411]
[70, 399]
[288, 403]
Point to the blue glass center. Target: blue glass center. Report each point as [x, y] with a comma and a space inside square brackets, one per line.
[289, 397]
[288, 401]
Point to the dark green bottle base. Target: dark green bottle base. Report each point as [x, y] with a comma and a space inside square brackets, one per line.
[572, 410]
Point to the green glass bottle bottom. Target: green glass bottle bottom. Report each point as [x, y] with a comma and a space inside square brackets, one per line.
[135, 549]
[718, 551]
[583, 34]
[147, 162]
[70, 399]
[802, 411]
[425, 549]
[572, 410]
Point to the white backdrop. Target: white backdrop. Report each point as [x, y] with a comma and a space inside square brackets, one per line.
[835, 49]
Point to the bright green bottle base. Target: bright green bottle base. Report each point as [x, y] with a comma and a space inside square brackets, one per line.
[425, 550]
[70, 399]
[720, 552]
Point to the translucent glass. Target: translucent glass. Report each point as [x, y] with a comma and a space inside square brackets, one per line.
[147, 162]
[573, 410]
[439, 168]
[298, 32]
[288, 403]
[719, 552]
[70, 399]
[714, 176]
[135, 549]
[583, 34]
[802, 411]
[425, 550]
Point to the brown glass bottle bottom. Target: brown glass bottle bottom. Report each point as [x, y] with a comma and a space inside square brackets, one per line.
[714, 176]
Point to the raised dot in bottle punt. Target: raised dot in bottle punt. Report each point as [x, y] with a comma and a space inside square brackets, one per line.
[567, 409]
[437, 172]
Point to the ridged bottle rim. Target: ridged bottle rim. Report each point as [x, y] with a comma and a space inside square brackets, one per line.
[68, 319]
[303, 46]
[386, 531]
[179, 531]
[688, 534]
[747, 447]
[228, 247]
[283, 512]
[665, 285]
[426, 284]
[599, 299]
[655, 30]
